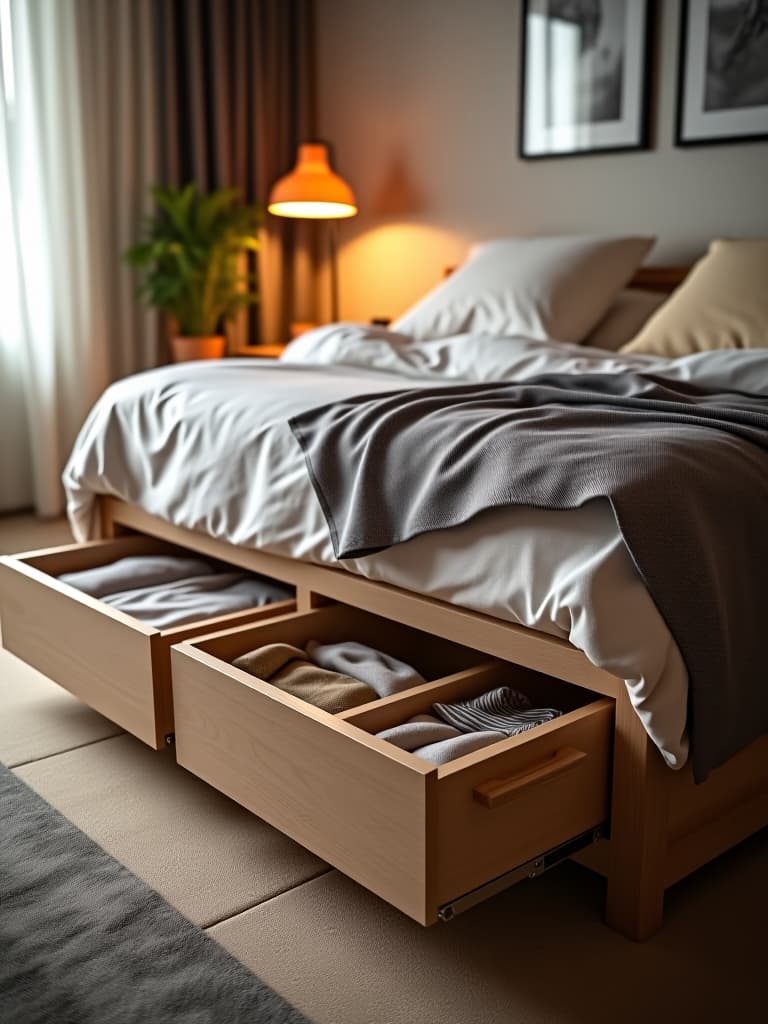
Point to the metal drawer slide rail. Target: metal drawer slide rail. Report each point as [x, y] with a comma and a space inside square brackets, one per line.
[531, 869]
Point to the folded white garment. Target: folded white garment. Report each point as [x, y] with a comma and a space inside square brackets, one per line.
[136, 571]
[383, 673]
[200, 597]
[449, 750]
[419, 731]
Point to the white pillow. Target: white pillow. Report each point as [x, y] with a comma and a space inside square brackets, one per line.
[543, 288]
[626, 316]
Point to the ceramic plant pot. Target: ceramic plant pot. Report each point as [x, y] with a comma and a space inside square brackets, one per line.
[211, 347]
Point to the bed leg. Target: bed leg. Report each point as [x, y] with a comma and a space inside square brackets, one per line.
[639, 823]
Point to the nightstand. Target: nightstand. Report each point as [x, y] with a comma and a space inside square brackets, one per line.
[259, 351]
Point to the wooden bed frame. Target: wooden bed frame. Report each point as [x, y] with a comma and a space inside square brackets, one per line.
[662, 825]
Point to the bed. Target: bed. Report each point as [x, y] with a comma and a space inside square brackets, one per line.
[554, 594]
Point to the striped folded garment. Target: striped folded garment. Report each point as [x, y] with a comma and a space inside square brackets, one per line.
[502, 710]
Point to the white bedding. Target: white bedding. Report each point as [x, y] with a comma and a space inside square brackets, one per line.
[206, 446]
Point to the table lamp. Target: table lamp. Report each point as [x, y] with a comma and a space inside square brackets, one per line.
[312, 191]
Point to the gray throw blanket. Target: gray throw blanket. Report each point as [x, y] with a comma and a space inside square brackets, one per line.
[686, 473]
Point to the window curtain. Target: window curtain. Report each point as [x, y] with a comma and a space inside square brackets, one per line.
[236, 97]
[75, 152]
[99, 100]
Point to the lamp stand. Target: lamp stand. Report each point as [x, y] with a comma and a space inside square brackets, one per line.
[333, 247]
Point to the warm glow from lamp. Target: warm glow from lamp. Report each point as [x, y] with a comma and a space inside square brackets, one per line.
[312, 190]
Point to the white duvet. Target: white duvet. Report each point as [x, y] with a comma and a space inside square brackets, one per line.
[206, 446]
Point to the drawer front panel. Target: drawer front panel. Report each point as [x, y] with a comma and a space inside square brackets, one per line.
[509, 807]
[320, 781]
[116, 664]
[101, 659]
[416, 834]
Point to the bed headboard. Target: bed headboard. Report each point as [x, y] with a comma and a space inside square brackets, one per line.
[659, 279]
[651, 279]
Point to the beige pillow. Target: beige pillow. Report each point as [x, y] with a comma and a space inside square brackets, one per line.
[544, 288]
[723, 303]
[626, 315]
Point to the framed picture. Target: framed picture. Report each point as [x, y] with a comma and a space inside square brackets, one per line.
[722, 93]
[584, 76]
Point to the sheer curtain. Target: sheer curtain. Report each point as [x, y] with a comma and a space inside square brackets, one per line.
[68, 320]
[30, 131]
[61, 334]
[101, 98]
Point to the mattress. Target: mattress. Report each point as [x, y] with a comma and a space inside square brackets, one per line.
[206, 446]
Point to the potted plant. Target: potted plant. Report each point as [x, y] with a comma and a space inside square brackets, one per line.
[191, 258]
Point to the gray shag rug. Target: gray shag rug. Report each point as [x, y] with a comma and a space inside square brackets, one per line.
[83, 941]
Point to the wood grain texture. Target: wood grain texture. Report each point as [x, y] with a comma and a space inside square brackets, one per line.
[102, 657]
[639, 829]
[476, 843]
[335, 789]
[497, 792]
[706, 820]
[326, 784]
[114, 663]
[334, 623]
[517, 644]
[542, 690]
[662, 825]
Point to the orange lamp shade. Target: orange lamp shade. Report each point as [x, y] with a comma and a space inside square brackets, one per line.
[312, 189]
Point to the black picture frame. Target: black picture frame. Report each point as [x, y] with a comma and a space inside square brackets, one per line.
[602, 105]
[716, 95]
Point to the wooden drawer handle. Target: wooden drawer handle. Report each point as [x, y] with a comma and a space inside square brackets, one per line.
[498, 791]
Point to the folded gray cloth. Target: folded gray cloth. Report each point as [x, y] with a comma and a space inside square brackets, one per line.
[201, 597]
[503, 709]
[419, 731]
[383, 673]
[448, 750]
[136, 571]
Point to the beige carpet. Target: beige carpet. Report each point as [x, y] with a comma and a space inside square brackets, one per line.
[39, 718]
[537, 954]
[25, 533]
[203, 853]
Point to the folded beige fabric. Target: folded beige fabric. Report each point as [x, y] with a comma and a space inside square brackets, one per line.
[290, 670]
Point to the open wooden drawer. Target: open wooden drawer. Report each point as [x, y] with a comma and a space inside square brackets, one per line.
[425, 838]
[113, 662]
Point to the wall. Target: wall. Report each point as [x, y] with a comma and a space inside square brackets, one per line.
[420, 99]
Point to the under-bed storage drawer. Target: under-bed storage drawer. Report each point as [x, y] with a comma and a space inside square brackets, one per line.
[418, 835]
[113, 662]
